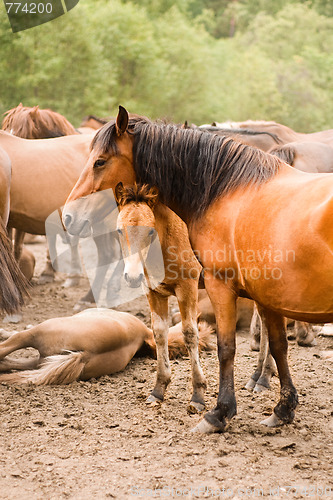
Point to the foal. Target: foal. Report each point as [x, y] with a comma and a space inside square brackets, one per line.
[139, 208]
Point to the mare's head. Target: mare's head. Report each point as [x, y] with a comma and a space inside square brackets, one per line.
[110, 162]
[136, 228]
[36, 123]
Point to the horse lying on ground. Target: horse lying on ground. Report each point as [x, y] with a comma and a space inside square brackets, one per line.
[90, 344]
[140, 218]
[236, 197]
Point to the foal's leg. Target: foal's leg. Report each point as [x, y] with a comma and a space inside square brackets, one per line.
[278, 343]
[159, 319]
[187, 300]
[16, 341]
[224, 303]
[47, 276]
[255, 329]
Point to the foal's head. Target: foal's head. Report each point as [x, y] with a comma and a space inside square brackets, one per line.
[136, 228]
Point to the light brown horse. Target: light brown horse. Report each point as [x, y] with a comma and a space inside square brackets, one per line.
[260, 228]
[314, 157]
[36, 123]
[13, 285]
[140, 220]
[285, 134]
[88, 345]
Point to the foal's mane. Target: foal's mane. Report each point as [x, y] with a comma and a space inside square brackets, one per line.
[35, 123]
[138, 193]
[191, 168]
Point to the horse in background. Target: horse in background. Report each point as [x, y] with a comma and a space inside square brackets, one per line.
[90, 344]
[315, 157]
[36, 123]
[91, 123]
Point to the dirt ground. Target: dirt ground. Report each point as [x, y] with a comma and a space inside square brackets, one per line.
[98, 439]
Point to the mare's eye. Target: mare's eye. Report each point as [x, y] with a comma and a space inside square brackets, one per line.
[99, 163]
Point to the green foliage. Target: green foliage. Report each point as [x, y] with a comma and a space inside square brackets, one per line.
[176, 60]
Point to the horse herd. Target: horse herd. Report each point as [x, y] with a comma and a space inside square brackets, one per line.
[242, 210]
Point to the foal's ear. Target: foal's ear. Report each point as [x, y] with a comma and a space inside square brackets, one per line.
[152, 197]
[34, 111]
[119, 192]
[121, 121]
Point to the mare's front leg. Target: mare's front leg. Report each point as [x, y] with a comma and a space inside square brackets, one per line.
[187, 300]
[159, 319]
[278, 343]
[224, 303]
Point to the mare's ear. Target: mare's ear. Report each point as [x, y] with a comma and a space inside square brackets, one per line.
[119, 192]
[152, 197]
[121, 121]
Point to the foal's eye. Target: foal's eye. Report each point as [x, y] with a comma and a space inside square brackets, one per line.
[119, 231]
[151, 232]
[99, 163]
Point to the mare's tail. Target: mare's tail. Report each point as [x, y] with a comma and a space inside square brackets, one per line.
[13, 285]
[56, 370]
[176, 344]
[285, 153]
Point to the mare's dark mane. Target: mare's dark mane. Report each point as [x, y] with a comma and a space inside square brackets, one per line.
[191, 168]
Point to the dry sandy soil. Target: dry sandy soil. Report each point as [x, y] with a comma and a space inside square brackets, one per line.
[98, 439]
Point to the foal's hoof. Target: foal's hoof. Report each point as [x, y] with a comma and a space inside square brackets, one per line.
[205, 427]
[260, 388]
[194, 407]
[250, 385]
[153, 401]
[272, 421]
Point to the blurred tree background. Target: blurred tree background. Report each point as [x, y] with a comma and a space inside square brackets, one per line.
[195, 60]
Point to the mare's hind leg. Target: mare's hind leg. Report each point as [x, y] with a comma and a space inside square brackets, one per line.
[255, 329]
[278, 343]
[187, 300]
[159, 318]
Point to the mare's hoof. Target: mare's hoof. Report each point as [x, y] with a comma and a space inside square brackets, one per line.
[250, 385]
[194, 407]
[45, 278]
[205, 427]
[260, 388]
[82, 305]
[12, 318]
[272, 421]
[153, 401]
[71, 281]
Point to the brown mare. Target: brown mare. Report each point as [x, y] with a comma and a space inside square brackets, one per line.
[260, 228]
[13, 285]
[139, 209]
[88, 345]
